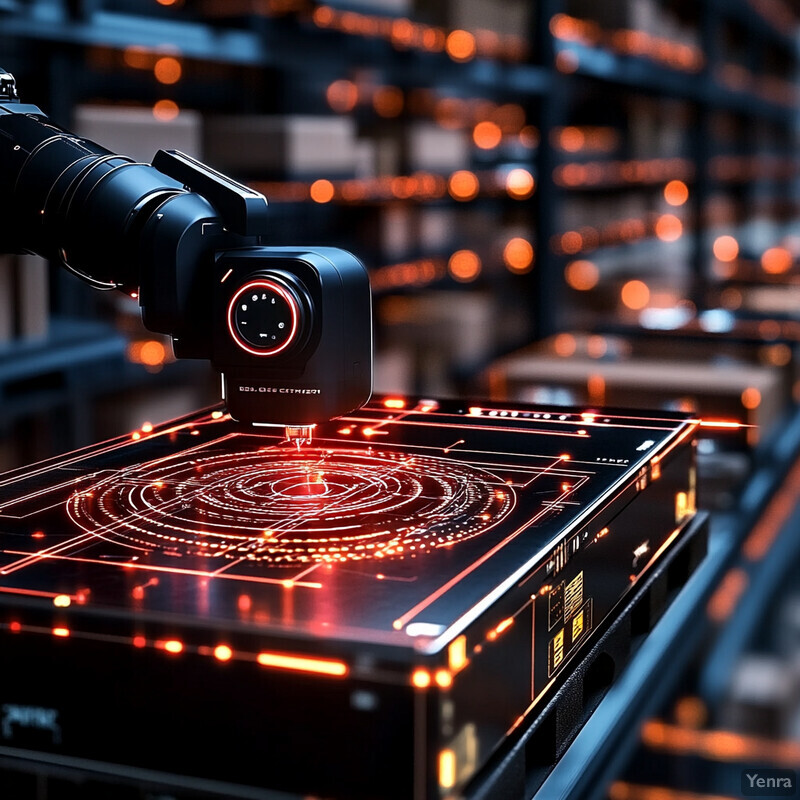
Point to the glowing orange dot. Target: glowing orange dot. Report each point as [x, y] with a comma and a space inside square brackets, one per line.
[147, 427]
[668, 228]
[463, 185]
[565, 345]
[152, 354]
[776, 260]
[137, 57]
[137, 593]
[443, 678]
[676, 193]
[173, 646]
[635, 295]
[518, 255]
[168, 2]
[582, 275]
[571, 242]
[136, 435]
[394, 402]
[15, 627]
[421, 678]
[323, 16]
[519, 183]
[751, 398]
[62, 632]
[342, 96]
[487, 135]
[464, 265]
[62, 601]
[726, 248]
[460, 45]
[167, 70]
[38, 535]
[388, 101]
[572, 139]
[322, 191]
[223, 653]
[244, 603]
[139, 641]
[165, 110]
[691, 712]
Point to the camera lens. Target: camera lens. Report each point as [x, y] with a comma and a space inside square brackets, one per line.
[264, 317]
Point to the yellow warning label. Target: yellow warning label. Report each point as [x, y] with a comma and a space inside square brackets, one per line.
[573, 595]
[558, 648]
[577, 626]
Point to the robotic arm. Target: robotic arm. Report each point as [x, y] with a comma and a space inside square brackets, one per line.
[289, 328]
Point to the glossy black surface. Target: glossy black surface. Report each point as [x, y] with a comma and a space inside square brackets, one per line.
[394, 522]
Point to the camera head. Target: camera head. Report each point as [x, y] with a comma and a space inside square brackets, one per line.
[290, 329]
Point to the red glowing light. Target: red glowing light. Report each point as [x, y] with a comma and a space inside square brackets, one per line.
[394, 402]
[288, 298]
[15, 627]
[223, 653]
[173, 646]
[421, 678]
[61, 632]
[319, 666]
[139, 641]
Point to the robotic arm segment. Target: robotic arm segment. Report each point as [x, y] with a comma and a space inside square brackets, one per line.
[290, 329]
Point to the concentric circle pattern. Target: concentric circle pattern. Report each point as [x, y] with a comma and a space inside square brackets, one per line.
[284, 507]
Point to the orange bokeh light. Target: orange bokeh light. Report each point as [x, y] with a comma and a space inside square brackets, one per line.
[519, 183]
[342, 96]
[676, 193]
[635, 295]
[165, 110]
[223, 653]
[421, 678]
[321, 191]
[572, 139]
[460, 45]
[776, 260]
[464, 265]
[582, 275]
[463, 185]
[668, 228]
[725, 248]
[571, 242]
[388, 101]
[487, 135]
[167, 70]
[137, 57]
[518, 255]
[751, 398]
[565, 345]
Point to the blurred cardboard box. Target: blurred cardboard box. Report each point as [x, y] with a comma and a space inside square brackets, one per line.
[135, 132]
[430, 147]
[286, 146]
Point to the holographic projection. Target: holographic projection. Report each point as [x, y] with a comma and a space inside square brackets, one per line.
[281, 506]
[403, 513]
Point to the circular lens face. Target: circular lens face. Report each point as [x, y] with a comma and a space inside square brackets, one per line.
[263, 317]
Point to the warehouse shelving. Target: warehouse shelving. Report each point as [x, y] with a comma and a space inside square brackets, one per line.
[711, 106]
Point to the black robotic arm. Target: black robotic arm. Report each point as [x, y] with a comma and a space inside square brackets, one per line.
[290, 329]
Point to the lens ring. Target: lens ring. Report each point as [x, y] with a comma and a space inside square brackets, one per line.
[284, 293]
